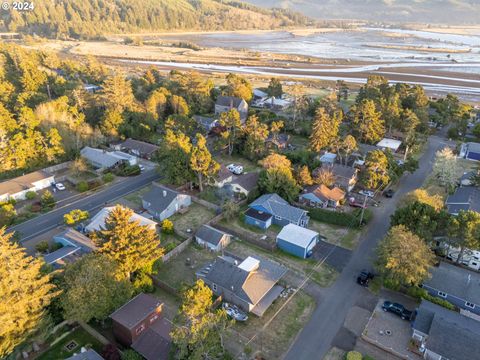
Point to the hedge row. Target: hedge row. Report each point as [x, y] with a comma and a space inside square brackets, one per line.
[341, 218]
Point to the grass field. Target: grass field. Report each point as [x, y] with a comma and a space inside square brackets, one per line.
[181, 270]
[193, 218]
[273, 340]
[80, 337]
[248, 166]
[337, 235]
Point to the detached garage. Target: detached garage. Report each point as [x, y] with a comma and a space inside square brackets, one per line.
[297, 240]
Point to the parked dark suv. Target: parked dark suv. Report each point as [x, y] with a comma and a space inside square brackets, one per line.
[397, 309]
[364, 278]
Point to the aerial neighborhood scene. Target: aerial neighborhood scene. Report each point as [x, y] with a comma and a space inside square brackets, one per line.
[244, 180]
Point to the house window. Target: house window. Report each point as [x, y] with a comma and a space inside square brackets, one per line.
[153, 318]
[278, 217]
[442, 294]
[214, 287]
[139, 329]
[470, 305]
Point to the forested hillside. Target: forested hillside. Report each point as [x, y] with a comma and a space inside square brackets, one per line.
[92, 18]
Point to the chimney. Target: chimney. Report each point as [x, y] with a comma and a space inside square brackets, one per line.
[164, 193]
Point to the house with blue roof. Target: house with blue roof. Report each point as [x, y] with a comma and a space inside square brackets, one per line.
[271, 209]
[73, 245]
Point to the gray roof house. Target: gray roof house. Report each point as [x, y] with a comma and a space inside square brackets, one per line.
[212, 238]
[281, 211]
[464, 198]
[74, 245]
[162, 202]
[250, 284]
[85, 354]
[244, 183]
[442, 334]
[226, 103]
[138, 148]
[100, 159]
[345, 176]
[470, 151]
[206, 122]
[459, 286]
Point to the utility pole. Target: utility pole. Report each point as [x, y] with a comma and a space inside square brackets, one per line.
[363, 209]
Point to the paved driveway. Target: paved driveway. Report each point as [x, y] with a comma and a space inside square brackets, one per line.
[316, 338]
[335, 256]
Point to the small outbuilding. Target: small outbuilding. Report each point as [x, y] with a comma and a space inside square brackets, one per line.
[297, 240]
[214, 239]
[390, 144]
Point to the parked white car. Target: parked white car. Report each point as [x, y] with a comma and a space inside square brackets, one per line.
[236, 169]
[60, 186]
[367, 193]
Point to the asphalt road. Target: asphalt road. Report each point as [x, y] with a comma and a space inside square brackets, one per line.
[91, 202]
[315, 339]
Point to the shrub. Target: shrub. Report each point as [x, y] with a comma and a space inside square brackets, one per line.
[55, 246]
[47, 201]
[143, 283]
[167, 226]
[131, 355]
[108, 177]
[353, 355]
[82, 186]
[42, 246]
[75, 216]
[128, 170]
[30, 195]
[169, 247]
[420, 293]
[36, 207]
[340, 218]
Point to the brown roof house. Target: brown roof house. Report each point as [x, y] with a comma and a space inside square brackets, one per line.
[250, 284]
[226, 103]
[223, 177]
[345, 176]
[17, 188]
[140, 324]
[322, 196]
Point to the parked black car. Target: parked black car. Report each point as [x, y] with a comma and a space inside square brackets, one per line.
[397, 309]
[364, 278]
[389, 193]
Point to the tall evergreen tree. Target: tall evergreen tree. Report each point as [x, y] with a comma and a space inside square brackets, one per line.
[367, 122]
[24, 294]
[132, 245]
[324, 131]
[201, 161]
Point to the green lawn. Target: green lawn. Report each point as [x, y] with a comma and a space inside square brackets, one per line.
[208, 194]
[136, 197]
[274, 340]
[322, 274]
[299, 141]
[80, 336]
[337, 235]
[193, 218]
[181, 269]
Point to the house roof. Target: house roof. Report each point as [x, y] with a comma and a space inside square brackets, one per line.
[389, 144]
[324, 193]
[328, 157]
[473, 147]
[89, 354]
[104, 158]
[259, 93]
[205, 121]
[232, 101]
[22, 183]
[249, 286]
[450, 334]
[154, 343]
[76, 238]
[210, 234]
[297, 235]
[342, 171]
[456, 281]
[159, 197]
[277, 206]
[60, 254]
[260, 215]
[98, 221]
[223, 174]
[247, 181]
[136, 310]
[140, 146]
[464, 198]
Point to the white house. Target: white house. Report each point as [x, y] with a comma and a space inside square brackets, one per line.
[17, 188]
[162, 202]
[98, 221]
[390, 144]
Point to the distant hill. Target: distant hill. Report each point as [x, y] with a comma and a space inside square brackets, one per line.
[426, 11]
[91, 18]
